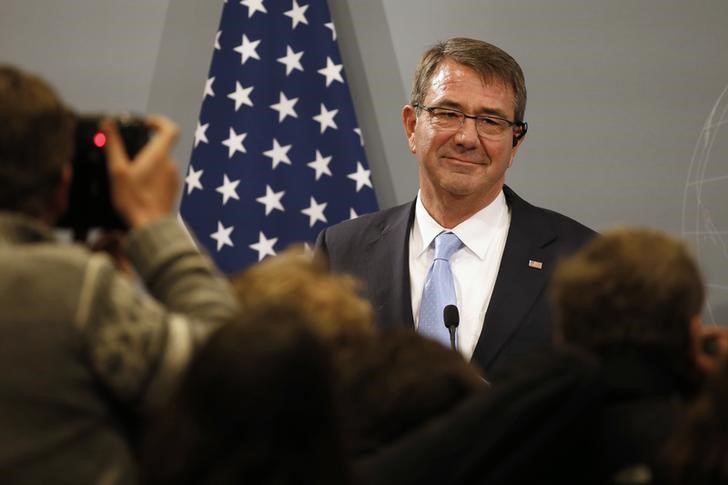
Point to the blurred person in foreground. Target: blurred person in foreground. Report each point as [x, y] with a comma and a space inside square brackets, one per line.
[258, 402]
[395, 382]
[388, 382]
[83, 351]
[256, 406]
[633, 297]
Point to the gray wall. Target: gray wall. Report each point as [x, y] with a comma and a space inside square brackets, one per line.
[627, 122]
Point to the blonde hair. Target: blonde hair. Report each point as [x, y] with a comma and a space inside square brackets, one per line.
[301, 281]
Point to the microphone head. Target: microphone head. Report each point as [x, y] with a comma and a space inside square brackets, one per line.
[451, 316]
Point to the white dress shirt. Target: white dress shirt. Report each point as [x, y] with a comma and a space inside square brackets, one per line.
[474, 266]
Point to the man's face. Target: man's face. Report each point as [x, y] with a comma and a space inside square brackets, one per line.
[460, 163]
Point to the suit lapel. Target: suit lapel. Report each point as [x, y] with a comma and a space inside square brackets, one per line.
[388, 268]
[518, 286]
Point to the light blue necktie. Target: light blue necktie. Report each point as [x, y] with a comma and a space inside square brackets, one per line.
[439, 290]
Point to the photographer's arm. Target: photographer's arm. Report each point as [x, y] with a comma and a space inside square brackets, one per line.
[139, 343]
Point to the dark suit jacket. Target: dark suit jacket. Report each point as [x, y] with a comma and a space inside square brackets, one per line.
[375, 248]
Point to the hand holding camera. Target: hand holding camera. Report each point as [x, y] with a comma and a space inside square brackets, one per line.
[143, 189]
[122, 175]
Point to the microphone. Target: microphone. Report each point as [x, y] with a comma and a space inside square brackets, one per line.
[451, 317]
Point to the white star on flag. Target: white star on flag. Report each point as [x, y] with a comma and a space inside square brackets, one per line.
[292, 60]
[200, 135]
[332, 28]
[297, 14]
[321, 165]
[254, 6]
[284, 106]
[234, 142]
[361, 176]
[193, 179]
[278, 154]
[361, 138]
[222, 236]
[217, 40]
[241, 96]
[208, 87]
[326, 118]
[227, 189]
[271, 200]
[332, 72]
[315, 212]
[264, 246]
[247, 49]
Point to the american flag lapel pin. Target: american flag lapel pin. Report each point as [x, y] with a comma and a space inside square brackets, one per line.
[532, 263]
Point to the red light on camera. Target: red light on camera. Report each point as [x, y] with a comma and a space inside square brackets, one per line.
[99, 139]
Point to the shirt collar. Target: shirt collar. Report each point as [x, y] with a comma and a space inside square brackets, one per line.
[476, 232]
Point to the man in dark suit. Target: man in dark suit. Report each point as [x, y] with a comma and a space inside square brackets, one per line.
[464, 124]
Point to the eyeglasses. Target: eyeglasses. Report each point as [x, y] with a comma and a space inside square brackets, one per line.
[492, 127]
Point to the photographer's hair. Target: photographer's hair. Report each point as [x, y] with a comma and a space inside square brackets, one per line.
[36, 140]
[491, 62]
[629, 286]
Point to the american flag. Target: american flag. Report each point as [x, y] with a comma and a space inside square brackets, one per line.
[277, 154]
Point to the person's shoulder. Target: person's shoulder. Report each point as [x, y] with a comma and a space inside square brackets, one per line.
[365, 223]
[560, 223]
[58, 272]
[29, 248]
[564, 223]
[51, 258]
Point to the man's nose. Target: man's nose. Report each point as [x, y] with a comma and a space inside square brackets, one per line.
[467, 133]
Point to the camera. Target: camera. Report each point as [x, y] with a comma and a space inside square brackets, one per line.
[89, 201]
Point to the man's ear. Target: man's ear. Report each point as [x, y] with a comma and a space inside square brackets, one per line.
[409, 122]
[704, 362]
[709, 345]
[516, 145]
[518, 137]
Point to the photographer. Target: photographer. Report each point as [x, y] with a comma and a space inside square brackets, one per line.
[83, 352]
